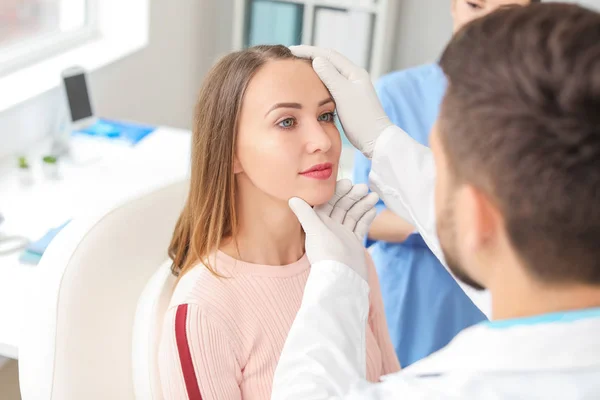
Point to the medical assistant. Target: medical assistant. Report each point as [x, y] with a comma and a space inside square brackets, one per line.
[424, 306]
[555, 356]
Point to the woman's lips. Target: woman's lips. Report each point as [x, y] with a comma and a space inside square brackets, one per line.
[319, 171]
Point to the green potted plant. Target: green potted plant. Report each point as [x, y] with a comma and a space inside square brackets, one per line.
[25, 172]
[50, 167]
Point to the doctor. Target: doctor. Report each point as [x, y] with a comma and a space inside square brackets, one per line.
[420, 321]
[517, 158]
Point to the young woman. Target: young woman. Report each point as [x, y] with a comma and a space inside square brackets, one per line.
[264, 132]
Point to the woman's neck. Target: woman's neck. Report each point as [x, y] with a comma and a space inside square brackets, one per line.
[268, 232]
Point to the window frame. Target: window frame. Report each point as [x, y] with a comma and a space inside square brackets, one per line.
[29, 52]
[121, 27]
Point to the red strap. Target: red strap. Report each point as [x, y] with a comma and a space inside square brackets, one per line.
[185, 355]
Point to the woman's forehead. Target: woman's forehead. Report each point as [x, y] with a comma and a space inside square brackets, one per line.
[283, 81]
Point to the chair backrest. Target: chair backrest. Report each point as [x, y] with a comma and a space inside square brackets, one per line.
[147, 329]
[77, 337]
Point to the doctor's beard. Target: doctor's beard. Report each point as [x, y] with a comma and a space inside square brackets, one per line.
[446, 229]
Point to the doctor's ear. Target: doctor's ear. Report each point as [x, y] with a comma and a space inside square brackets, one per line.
[482, 217]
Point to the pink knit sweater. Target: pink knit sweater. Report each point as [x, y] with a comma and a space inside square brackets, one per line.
[222, 337]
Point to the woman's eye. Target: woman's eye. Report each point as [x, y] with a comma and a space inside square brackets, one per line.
[473, 5]
[327, 117]
[287, 123]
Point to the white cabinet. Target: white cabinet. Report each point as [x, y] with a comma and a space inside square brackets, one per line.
[362, 30]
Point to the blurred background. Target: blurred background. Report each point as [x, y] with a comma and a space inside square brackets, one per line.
[145, 61]
[158, 84]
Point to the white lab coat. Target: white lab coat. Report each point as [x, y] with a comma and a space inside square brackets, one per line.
[548, 357]
[403, 174]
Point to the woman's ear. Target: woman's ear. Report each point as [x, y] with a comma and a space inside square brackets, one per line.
[237, 165]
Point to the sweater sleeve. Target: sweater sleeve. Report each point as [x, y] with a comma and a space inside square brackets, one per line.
[196, 357]
[378, 322]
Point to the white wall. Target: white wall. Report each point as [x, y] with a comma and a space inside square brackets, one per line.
[157, 85]
[425, 26]
[592, 4]
[22, 125]
[423, 29]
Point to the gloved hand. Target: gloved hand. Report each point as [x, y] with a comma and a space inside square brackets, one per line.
[360, 111]
[335, 231]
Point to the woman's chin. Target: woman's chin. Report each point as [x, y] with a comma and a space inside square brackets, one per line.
[319, 197]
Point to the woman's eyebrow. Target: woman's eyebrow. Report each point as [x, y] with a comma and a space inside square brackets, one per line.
[296, 105]
[284, 105]
[328, 100]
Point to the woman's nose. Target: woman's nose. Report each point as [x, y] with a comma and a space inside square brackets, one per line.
[318, 138]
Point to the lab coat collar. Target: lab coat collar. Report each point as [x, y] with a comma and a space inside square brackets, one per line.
[547, 344]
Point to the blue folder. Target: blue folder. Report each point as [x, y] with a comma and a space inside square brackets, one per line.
[34, 251]
[123, 131]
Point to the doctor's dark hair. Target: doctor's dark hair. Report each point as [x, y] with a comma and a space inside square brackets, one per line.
[209, 214]
[521, 122]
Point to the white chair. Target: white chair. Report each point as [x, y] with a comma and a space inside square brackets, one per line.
[77, 341]
[152, 305]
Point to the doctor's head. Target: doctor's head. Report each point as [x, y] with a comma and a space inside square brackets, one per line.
[264, 132]
[464, 11]
[517, 148]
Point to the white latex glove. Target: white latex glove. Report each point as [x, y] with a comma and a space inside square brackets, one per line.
[335, 231]
[358, 107]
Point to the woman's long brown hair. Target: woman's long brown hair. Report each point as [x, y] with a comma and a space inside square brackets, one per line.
[209, 214]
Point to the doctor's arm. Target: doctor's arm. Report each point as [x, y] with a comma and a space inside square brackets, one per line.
[324, 356]
[378, 323]
[387, 226]
[403, 174]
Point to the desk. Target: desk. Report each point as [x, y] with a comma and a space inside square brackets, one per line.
[122, 171]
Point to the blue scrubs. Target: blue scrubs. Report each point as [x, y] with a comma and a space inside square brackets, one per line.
[424, 306]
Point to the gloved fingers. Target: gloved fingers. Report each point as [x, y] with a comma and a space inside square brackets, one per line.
[310, 52]
[310, 221]
[350, 199]
[359, 209]
[363, 225]
[347, 68]
[342, 187]
[330, 76]
[342, 64]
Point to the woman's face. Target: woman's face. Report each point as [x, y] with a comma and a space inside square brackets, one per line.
[287, 143]
[465, 11]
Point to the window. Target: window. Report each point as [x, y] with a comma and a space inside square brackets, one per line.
[31, 30]
[274, 22]
[39, 39]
